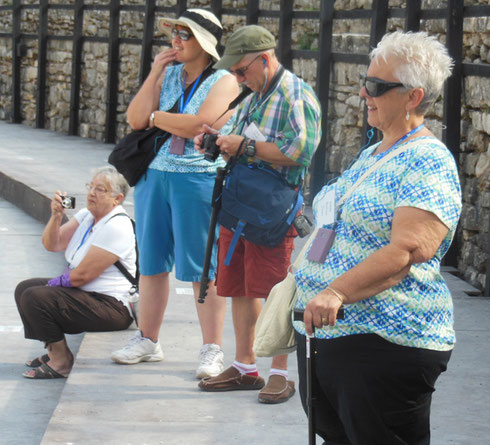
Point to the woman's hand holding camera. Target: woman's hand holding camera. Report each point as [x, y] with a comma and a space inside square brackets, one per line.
[57, 208]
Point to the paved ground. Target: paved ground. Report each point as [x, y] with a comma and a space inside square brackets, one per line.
[159, 403]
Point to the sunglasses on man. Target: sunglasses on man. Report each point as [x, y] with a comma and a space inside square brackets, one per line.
[241, 71]
[183, 34]
[377, 87]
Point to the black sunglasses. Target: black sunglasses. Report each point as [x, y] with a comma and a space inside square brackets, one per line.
[377, 87]
[241, 71]
[182, 33]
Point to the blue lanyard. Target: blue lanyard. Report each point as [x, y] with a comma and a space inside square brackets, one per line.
[399, 141]
[183, 105]
[84, 237]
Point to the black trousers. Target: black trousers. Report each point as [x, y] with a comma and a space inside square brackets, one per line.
[369, 391]
[50, 312]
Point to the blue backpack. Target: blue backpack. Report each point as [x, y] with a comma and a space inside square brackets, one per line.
[257, 204]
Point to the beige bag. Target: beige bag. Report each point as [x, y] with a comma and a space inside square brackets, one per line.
[274, 332]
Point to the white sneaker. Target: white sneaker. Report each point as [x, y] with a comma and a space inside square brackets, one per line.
[210, 361]
[138, 349]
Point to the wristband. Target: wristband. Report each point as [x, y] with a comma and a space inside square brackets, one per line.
[152, 119]
[61, 281]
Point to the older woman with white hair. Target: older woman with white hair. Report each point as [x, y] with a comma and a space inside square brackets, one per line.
[92, 293]
[375, 370]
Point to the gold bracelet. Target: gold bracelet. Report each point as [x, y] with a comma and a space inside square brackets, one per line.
[338, 294]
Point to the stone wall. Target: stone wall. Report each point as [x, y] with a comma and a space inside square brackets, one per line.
[345, 107]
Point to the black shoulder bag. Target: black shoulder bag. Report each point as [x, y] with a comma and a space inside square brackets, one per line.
[135, 152]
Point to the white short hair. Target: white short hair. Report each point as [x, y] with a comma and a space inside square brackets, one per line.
[423, 62]
[115, 179]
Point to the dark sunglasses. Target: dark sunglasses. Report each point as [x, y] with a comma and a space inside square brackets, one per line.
[377, 87]
[241, 71]
[182, 33]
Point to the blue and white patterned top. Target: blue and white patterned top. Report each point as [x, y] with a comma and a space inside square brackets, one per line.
[418, 311]
[191, 161]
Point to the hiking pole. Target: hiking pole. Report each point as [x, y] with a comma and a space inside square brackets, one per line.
[215, 205]
[310, 369]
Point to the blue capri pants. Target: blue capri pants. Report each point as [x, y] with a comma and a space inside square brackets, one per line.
[172, 212]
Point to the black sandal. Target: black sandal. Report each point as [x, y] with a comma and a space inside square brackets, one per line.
[38, 361]
[44, 372]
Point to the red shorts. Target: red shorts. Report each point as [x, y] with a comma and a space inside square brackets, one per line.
[254, 269]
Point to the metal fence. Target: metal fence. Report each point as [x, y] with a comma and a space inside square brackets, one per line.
[454, 15]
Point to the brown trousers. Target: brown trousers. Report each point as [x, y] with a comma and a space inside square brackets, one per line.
[50, 312]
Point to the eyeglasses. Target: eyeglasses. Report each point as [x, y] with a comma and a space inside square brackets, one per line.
[183, 34]
[96, 188]
[241, 71]
[377, 87]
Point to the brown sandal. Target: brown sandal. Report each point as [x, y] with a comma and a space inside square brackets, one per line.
[38, 361]
[44, 372]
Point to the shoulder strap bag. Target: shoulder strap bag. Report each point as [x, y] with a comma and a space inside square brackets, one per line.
[135, 151]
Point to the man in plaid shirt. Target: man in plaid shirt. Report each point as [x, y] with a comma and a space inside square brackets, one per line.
[279, 126]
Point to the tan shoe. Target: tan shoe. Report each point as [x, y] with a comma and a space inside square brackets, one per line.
[277, 390]
[231, 380]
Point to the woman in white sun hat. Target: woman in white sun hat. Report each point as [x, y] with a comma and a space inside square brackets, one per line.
[173, 200]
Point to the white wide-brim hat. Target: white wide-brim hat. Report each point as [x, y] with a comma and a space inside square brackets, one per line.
[204, 25]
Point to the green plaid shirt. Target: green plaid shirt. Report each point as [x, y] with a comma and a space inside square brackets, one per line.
[290, 117]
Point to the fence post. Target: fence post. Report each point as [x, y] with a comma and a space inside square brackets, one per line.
[16, 61]
[217, 8]
[323, 69]
[112, 72]
[486, 291]
[412, 15]
[76, 68]
[41, 63]
[181, 7]
[452, 97]
[285, 30]
[378, 29]
[147, 42]
[252, 12]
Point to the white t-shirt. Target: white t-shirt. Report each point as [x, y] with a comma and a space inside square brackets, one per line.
[114, 235]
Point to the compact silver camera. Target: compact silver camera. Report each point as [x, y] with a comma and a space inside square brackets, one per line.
[303, 225]
[68, 202]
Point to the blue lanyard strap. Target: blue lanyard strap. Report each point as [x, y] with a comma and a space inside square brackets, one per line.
[85, 237]
[182, 105]
[399, 141]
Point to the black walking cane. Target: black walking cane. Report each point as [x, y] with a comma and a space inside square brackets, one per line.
[215, 205]
[310, 367]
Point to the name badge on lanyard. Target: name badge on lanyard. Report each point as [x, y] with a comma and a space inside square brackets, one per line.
[177, 145]
[325, 238]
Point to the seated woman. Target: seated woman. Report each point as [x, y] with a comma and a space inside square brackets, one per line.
[92, 293]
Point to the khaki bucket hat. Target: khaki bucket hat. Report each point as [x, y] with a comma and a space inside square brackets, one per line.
[204, 25]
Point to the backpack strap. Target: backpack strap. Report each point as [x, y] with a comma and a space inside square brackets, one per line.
[238, 231]
[133, 280]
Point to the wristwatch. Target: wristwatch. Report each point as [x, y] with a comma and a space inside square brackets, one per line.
[152, 118]
[250, 150]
